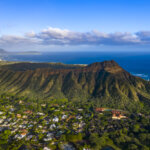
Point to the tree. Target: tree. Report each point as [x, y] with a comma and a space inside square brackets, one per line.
[4, 137]
[136, 127]
[74, 137]
[144, 148]
[132, 147]
[95, 140]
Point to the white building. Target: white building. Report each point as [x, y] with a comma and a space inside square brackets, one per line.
[55, 119]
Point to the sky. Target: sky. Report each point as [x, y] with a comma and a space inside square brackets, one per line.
[75, 25]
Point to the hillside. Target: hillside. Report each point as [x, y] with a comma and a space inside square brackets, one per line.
[2, 51]
[105, 83]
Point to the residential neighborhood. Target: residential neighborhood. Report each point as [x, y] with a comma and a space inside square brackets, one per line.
[57, 126]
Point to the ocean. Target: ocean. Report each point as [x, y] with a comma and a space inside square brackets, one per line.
[137, 63]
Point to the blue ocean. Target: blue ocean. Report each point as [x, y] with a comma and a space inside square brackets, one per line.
[137, 63]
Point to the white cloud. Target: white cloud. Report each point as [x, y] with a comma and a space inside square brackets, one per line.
[30, 34]
[55, 36]
[144, 35]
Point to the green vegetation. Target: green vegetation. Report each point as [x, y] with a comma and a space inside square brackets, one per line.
[57, 124]
[55, 106]
[106, 84]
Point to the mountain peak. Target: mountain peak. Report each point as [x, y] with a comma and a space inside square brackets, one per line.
[109, 66]
[105, 80]
[105, 63]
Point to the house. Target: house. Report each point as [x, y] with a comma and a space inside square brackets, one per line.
[20, 126]
[43, 105]
[23, 130]
[55, 119]
[118, 116]
[12, 109]
[20, 136]
[79, 117]
[100, 109]
[46, 148]
[56, 110]
[1, 120]
[64, 116]
[40, 113]
[24, 117]
[20, 102]
[30, 125]
[47, 139]
[3, 117]
[14, 130]
[29, 137]
[1, 112]
[49, 134]
[39, 126]
[43, 131]
[67, 146]
[28, 112]
[81, 124]
[80, 109]
[52, 126]
[18, 115]
[17, 136]
[23, 134]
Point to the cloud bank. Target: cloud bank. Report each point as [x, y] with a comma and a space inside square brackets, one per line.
[55, 36]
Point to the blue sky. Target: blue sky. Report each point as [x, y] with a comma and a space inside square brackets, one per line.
[55, 25]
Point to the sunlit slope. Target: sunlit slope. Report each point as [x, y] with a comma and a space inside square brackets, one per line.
[105, 81]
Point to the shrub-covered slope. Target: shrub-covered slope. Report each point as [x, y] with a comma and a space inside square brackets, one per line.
[104, 82]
